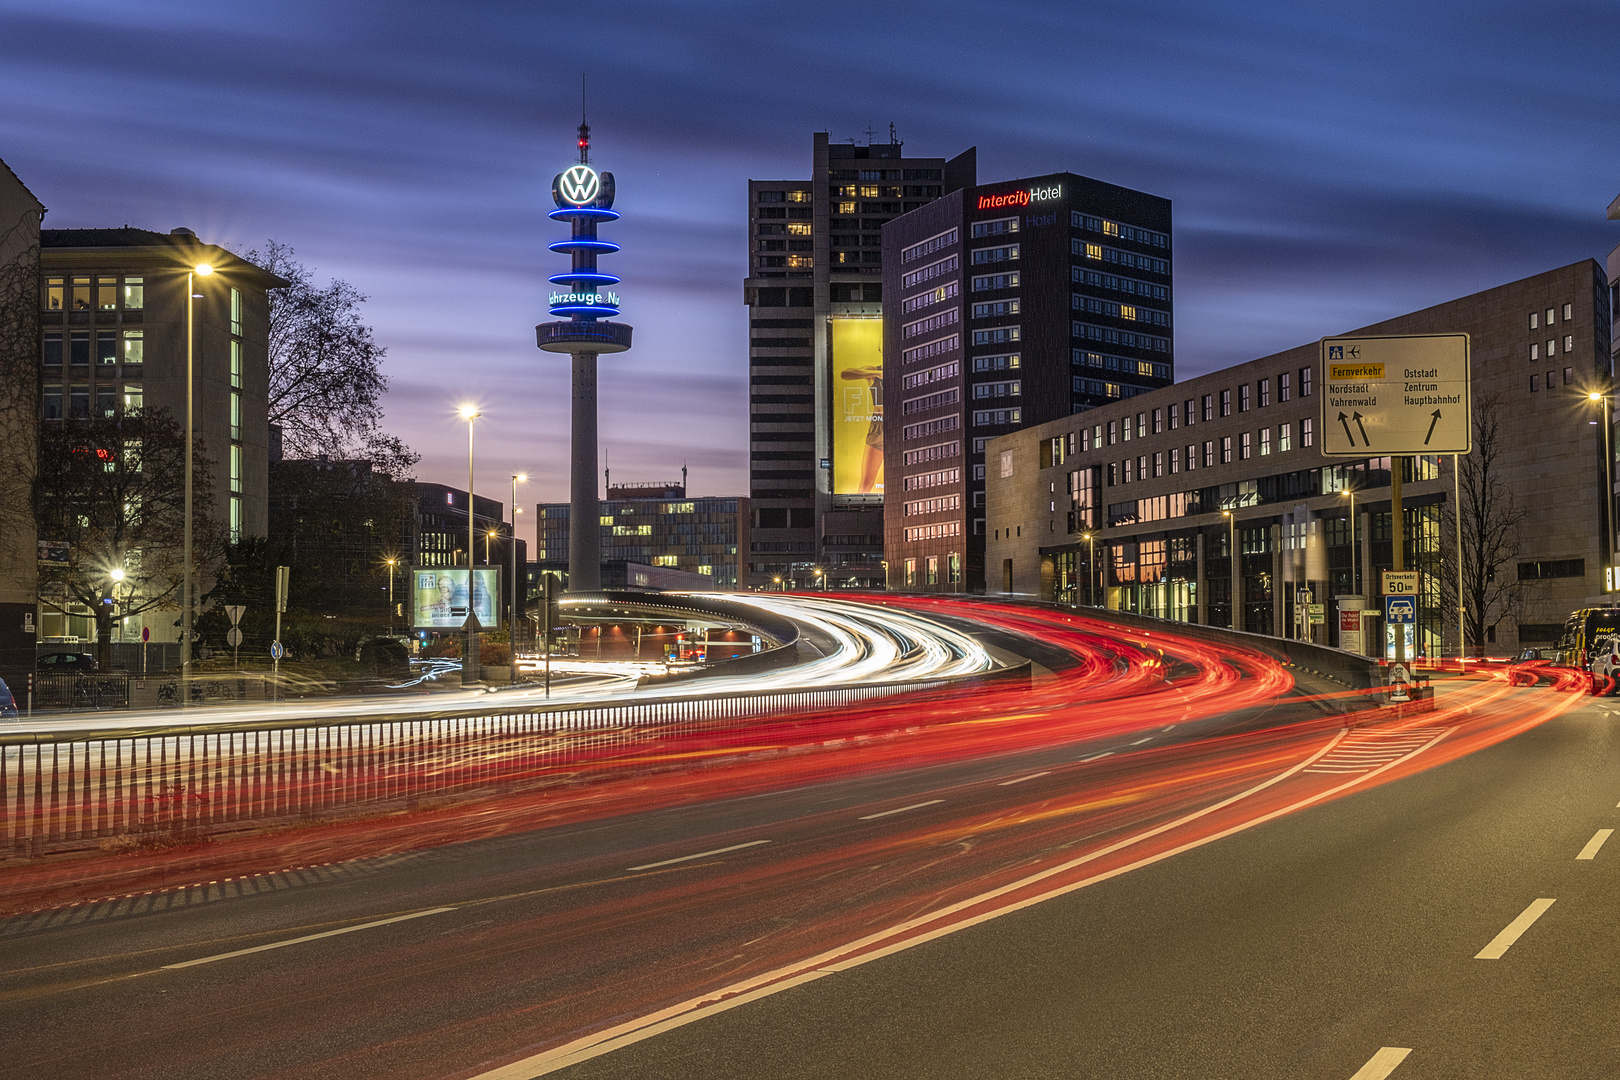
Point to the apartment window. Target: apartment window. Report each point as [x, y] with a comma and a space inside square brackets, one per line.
[995, 308]
[1285, 438]
[1141, 425]
[1535, 383]
[1158, 463]
[954, 568]
[1142, 467]
[1209, 452]
[79, 403]
[106, 346]
[997, 389]
[995, 281]
[106, 401]
[1305, 382]
[53, 294]
[79, 347]
[106, 294]
[1535, 351]
[1127, 469]
[772, 196]
[134, 293]
[1550, 383]
[1175, 415]
[798, 196]
[1126, 430]
[236, 415]
[995, 254]
[236, 519]
[134, 400]
[1243, 398]
[800, 228]
[1265, 392]
[1158, 421]
[236, 312]
[1209, 406]
[1175, 461]
[911, 572]
[1569, 376]
[1551, 314]
[1113, 432]
[1569, 312]
[1535, 321]
[53, 401]
[1569, 343]
[1003, 362]
[81, 294]
[1192, 456]
[1188, 412]
[1307, 432]
[52, 356]
[1000, 335]
[1265, 441]
[1226, 449]
[236, 469]
[1245, 446]
[989, 417]
[1226, 403]
[1552, 348]
[1282, 387]
[134, 346]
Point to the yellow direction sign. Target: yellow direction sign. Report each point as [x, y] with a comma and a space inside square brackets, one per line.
[1395, 394]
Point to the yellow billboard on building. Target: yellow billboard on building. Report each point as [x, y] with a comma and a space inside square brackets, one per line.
[857, 393]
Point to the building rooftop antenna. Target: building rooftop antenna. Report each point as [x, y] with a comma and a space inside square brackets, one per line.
[894, 137]
[870, 133]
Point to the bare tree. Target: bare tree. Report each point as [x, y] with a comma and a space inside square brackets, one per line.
[1492, 519]
[113, 499]
[325, 370]
[19, 391]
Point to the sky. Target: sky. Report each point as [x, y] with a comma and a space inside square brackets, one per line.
[1329, 165]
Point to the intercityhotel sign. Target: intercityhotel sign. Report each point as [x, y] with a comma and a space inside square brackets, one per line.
[1396, 394]
[1021, 198]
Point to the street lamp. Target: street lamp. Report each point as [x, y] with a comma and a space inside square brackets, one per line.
[1236, 573]
[117, 575]
[1602, 402]
[778, 580]
[517, 612]
[1355, 554]
[821, 578]
[392, 562]
[469, 658]
[1091, 571]
[187, 586]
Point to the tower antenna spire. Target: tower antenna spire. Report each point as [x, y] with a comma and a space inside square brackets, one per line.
[584, 128]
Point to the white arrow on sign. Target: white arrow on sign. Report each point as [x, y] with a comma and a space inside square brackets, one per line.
[234, 613]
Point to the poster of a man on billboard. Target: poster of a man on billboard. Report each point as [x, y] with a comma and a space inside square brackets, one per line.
[439, 597]
[857, 363]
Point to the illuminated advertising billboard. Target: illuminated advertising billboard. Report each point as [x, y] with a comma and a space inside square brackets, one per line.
[857, 393]
[439, 597]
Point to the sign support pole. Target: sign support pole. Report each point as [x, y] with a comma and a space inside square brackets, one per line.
[1457, 513]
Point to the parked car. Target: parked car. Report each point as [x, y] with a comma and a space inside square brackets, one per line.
[66, 663]
[8, 704]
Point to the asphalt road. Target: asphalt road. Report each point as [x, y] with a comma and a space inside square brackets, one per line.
[1297, 948]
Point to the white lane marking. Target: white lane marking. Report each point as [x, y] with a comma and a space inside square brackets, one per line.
[1382, 1063]
[700, 855]
[901, 809]
[1139, 742]
[764, 985]
[307, 937]
[1593, 845]
[1021, 779]
[1502, 942]
[1097, 757]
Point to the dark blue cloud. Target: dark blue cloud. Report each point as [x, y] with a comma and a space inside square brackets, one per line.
[1330, 165]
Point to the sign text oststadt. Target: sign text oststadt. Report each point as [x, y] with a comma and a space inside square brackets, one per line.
[1021, 198]
[1396, 394]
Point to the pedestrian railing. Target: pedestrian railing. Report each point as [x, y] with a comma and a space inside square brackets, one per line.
[65, 788]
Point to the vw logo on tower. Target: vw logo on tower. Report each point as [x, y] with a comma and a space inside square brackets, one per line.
[576, 186]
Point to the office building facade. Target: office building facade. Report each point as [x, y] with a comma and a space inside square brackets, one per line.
[1011, 304]
[1210, 501]
[662, 528]
[815, 260]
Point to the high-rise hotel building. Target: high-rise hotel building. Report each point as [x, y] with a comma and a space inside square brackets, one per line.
[1011, 304]
[815, 301]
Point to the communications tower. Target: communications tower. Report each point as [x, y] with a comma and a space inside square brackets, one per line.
[583, 298]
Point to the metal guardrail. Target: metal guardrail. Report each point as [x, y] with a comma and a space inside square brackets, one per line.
[63, 788]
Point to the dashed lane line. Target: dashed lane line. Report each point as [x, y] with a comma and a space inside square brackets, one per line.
[1502, 942]
[1382, 1063]
[901, 809]
[1595, 844]
[699, 855]
[301, 940]
[1021, 779]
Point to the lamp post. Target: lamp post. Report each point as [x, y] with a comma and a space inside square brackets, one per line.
[517, 611]
[187, 585]
[778, 580]
[117, 575]
[1091, 571]
[821, 578]
[469, 657]
[1355, 553]
[490, 535]
[1236, 573]
[1602, 402]
[392, 562]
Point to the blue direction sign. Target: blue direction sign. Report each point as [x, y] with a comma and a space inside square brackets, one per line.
[1400, 609]
[276, 651]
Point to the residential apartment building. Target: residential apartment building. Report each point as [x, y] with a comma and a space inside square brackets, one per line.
[659, 526]
[1012, 304]
[815, 257]
[1209, 501]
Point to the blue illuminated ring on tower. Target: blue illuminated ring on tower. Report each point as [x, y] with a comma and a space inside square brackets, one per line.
[563, 213]
[574, 243]
[585, 277]
[594, 311]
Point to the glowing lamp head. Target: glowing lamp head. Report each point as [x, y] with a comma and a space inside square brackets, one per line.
[118, 573]
[468, 412]
[202, 269]
[1594, 396]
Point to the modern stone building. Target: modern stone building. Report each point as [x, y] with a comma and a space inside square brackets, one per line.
[1211, 494]
[1011, 304]
[815, 256]
[113, 338]
[659, 526]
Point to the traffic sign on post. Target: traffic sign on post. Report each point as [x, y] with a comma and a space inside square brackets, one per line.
[233, 637]
[234, 613]
[1400, 582]
[276, 652]
[1399, 610]
[1396, 394]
